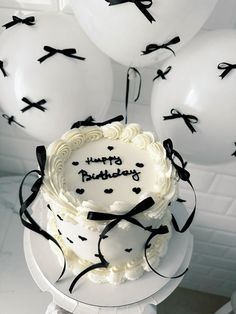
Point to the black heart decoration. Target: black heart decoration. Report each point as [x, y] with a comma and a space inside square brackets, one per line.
[80, 191]
[128, 250]
[75, 163]
[136, 190]
[82, 238]
[110, 147]
[139, 165]
[108, 191]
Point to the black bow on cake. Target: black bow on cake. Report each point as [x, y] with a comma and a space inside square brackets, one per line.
[68, 52]
[115, 219]
[154, 47]
[142, 5]
[90, 122]
[25, 215]
[188, 119]
[30, 20]
[227, 68]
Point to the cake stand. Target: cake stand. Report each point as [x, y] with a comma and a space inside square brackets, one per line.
[131, 297]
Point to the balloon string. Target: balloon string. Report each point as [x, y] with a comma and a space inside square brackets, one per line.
[131, 73]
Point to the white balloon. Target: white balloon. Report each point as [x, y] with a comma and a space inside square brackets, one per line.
[194, 86]
[73, 88]
[123, 30]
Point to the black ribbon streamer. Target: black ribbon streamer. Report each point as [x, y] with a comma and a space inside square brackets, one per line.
[128, 89]
[30, 20]
[162, 74]
[184, 175]
[188, 119]
[226, 67]
[11, 120]
[25, 216]
[90, 122]
[142, 5]
[2, 68]
[153, 47]
[38, 105]
[68, 52]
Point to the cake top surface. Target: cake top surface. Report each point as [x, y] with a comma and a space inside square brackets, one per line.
[110, 168]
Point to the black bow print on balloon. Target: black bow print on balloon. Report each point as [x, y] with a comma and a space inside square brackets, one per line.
[90, 122]
[188, 119]
[142, 5]
[2, 68]
[162, 74]
[30, 20]
[227, 68]
[234, 154]
[68, 52]
[183, 175]
[154, 47]
[38, 105]
[25, 215]
[11, 120]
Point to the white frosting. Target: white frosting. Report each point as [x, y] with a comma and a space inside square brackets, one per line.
[146, 172]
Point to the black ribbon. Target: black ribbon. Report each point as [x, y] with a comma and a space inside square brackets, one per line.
[188, 119]
[11, 120]
[159, 231]
[128, 89]
[184, 175]
[2, 68]
[30, 20]
[142, 5]
[153, 47]
[90, 122]
[68, 52]
[227, 68]
[25, 216]
[162, 74]
[234, 154]
[37, 105]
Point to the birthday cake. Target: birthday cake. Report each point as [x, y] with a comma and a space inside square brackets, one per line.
[98, 183]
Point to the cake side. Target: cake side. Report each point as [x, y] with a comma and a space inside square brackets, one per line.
[108, 169]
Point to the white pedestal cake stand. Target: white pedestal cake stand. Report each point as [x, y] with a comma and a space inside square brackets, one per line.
[131, 297]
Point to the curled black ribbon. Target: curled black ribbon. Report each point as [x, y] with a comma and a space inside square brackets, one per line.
[11, 120]
[184, 175]
[128, 89]
[37, 105]
[226, 67]
[68, 52]
[90, 122]
[188, 119]
[142, 5]
[162, 74]
[2, 68]
[25, 216]
[30, 20]
[153, 47]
